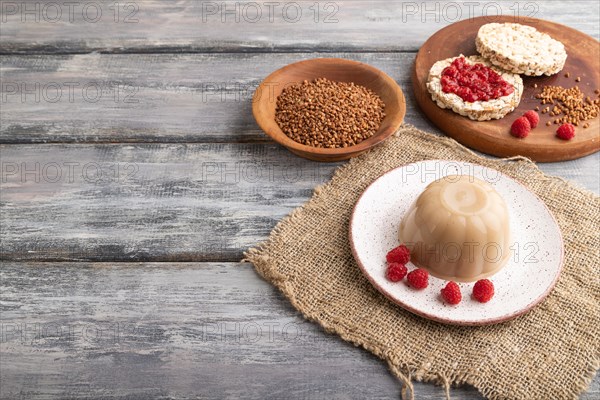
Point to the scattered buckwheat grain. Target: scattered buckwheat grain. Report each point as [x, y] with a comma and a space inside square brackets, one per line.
[571, 104]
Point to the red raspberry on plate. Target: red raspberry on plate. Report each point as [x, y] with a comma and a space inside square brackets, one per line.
[400, 254]
[520, 128]
[483, 290]
[533, 118]
[396, 272]
[451, 293]
[565, 132]
[419, 278]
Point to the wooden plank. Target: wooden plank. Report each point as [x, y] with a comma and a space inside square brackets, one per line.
[142, 331]
[48, 26]
[160, 202]
[195, 98]
[151, 98]
[140, 202]
[172, 330]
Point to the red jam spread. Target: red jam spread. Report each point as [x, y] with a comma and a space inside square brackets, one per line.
[474, 82]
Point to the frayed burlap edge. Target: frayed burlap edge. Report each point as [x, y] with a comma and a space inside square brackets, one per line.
[266, 265]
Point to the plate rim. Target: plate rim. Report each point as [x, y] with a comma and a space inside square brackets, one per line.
[449, 321]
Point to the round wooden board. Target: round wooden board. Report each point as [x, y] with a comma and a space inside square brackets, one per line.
[493, 137]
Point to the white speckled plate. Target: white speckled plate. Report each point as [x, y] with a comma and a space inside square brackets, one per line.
[529, 276]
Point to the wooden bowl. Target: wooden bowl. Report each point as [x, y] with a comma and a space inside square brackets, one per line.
[335, 69]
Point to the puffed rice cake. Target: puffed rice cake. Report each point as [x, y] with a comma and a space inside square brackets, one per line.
[478, 110]
[520, 49]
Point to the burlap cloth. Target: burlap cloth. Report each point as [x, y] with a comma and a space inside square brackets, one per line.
[552, 352]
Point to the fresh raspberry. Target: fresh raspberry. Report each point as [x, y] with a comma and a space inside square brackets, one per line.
[483, 290]
[419, 278]
[520, 128]
[451, 293]
[396, 272]
[400, 254]
[533, 118]
[566, 131]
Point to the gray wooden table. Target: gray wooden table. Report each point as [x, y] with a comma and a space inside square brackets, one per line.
[133, 178]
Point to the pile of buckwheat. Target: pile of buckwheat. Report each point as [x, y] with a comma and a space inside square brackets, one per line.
[329, 114]
[568, 105]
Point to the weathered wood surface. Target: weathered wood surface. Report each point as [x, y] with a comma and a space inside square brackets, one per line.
[184, 330]
[177, 98]
[151, 202]
[140, 331]
[148, 202]
[226, 26]
[190, 98]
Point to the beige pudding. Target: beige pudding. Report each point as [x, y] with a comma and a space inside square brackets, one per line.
[458, 229]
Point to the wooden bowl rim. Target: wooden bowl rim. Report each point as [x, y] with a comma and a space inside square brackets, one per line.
[273, 130]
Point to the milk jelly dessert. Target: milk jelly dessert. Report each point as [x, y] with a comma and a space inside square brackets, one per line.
[458, 229]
